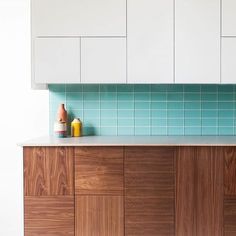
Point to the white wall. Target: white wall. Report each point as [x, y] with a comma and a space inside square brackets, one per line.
[23, 112]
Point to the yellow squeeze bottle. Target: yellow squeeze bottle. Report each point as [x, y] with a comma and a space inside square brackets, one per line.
[76, 128]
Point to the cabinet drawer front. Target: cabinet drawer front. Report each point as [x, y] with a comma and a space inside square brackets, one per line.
[49, 216]
[99, 170]
[99, 215]
[48, 171]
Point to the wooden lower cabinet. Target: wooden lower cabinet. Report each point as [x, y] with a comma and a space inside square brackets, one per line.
[99, 216]
[99, 170]
[230, 216]
[229, 154]
[130, 191]
[49, 216]
[199, 192]
[149, 191]
[48, 171]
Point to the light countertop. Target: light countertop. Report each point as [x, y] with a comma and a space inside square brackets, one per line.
[133, 141]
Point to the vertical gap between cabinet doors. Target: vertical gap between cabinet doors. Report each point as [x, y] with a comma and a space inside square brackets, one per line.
[124, 191]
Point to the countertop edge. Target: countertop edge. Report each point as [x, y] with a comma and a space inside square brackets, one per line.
[128, 141]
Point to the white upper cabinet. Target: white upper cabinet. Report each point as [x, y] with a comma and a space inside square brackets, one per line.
[229, 17]
[79, 17]
[197, 41]
[228, 62]
[56, 60]
[150, 28]
[103, 60]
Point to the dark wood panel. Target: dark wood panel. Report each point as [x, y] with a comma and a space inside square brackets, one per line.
[61, 170]
[146, 184]
[149, 159]
[230, 216]
[149, 191]
[48, 171]
[36, 178]
[229, 170]
[149, 216]
[99, 216]
[209, 191]
[99, 170]
[185, 192]
[199, 200]
[49, 216]
[149, 171]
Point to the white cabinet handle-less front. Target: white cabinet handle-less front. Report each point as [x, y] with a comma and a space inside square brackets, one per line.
[150, 37]
[103, 60]
[79, 17]
[197, 41]
[56, 60]
[228, 18]
[228, 62]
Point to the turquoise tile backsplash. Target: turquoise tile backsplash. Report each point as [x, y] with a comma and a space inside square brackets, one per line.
[148, 109]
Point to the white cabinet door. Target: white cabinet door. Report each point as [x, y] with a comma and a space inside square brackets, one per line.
[150, 29]
[79, 17]
[228, 17]
[56, 60]
[103, 60]
[197, 35]
[228, 62]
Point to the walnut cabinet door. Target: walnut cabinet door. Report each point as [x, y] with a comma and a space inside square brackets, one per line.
[49, 191]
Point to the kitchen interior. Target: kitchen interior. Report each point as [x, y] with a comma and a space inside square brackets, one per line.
[142, 119]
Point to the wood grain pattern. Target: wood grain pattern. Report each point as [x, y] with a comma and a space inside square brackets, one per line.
[209, 191]
[229, 170]
[185, 192]
[61, 170]
[200, 186]
[149, 191]
[150, 216]
[149, 171]
[99, 216]
[230, 216]
[49, 216]
[36, 178]
[99, 170]
[48, 171]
